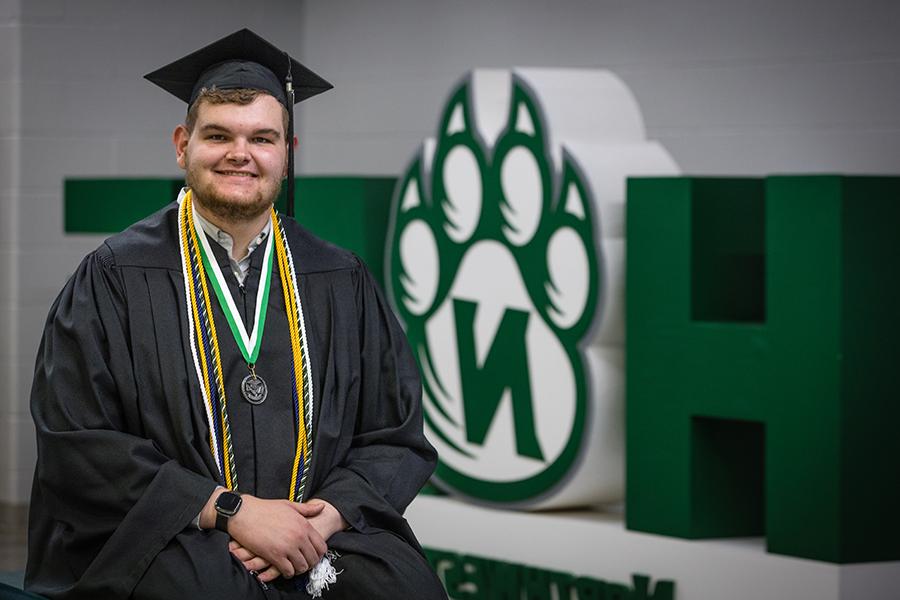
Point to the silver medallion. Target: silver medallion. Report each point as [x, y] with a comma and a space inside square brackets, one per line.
[254, 389]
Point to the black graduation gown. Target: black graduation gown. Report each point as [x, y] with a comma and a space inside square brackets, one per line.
[124, 463]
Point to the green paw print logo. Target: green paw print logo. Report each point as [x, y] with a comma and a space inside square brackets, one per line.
[496, 273]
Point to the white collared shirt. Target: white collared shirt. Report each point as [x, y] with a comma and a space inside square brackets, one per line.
[223, 238]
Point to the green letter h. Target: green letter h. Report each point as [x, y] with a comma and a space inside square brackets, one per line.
[763, 318]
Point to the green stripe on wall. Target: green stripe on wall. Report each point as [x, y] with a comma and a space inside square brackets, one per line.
[111, 205]
[351, 212]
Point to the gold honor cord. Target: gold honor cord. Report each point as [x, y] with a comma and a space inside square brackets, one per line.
[207, 357]
[230, 470]
[303, 380]
[195, 327]
[291, 305]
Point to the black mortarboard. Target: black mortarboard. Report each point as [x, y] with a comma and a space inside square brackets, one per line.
[243, 60]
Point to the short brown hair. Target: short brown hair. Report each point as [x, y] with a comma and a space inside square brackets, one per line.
[242, 96]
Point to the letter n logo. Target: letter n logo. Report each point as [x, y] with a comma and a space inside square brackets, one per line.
[503, 371]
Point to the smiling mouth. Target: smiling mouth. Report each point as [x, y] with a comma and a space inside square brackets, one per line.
[236, 173]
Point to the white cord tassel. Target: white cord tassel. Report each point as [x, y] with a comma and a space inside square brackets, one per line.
[322, 575]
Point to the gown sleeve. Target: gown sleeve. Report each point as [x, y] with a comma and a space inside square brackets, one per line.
[389, 459]
[105, 500]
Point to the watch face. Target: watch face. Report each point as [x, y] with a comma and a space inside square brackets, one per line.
[228, 503]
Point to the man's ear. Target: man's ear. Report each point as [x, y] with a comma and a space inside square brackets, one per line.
[180, 138]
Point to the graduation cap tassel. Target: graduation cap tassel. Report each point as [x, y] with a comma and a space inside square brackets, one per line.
[289, 88]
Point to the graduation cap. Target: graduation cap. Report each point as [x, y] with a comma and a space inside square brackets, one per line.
[243, 60]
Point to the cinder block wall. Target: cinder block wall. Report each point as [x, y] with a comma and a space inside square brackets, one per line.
[10, 107]
[730, 88]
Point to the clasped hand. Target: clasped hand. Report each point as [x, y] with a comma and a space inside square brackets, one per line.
[278, 537]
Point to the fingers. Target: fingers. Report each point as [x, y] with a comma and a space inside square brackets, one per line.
[309, 509]
[250, 561]
[285, 566]
[256, 564]
[275, 538]
[239, 552]
[311, 552]
[299, 564]
[303, 558]
[269, 575]
[320, 546]
[295, 563]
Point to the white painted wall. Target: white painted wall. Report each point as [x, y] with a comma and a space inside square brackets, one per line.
[729, 87]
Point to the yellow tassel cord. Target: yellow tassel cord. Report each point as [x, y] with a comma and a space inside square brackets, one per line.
[290, 300]
[228, 468]
[196, 317]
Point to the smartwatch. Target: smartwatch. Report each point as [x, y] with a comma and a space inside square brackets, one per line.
[227, 505]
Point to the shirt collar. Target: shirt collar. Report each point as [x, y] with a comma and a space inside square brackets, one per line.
[223, 238]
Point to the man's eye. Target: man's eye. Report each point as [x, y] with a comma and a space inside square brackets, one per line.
[262, 140]
[215, 137]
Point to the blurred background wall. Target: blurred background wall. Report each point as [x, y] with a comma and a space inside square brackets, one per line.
[730, 88]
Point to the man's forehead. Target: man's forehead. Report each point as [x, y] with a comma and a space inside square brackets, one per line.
[263, 112]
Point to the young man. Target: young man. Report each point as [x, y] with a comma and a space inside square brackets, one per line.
[225, 406]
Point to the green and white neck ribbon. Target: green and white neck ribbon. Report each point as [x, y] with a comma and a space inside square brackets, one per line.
[248, 344]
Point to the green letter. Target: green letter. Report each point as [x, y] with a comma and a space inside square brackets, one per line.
[506, 367]
[762, 391]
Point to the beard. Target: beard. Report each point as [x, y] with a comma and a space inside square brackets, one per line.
[226, 208]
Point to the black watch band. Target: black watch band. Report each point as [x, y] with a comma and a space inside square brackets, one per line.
[227, 505]
[222, 522]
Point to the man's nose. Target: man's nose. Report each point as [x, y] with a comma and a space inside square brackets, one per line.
[238, 151]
